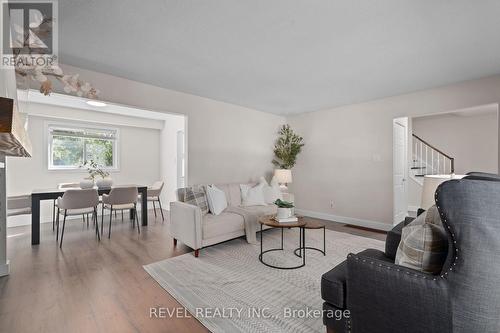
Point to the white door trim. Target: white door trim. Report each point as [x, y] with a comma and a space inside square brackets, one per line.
[400, 180]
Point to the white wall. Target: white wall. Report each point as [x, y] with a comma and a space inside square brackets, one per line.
[347, 158]
[471, 139]
[226, 142]
[168, 167]
[139, 153]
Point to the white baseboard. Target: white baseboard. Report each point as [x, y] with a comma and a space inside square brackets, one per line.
[4, 269]
[346, 220]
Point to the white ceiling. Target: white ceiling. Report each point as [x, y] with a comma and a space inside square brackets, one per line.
[284, 56]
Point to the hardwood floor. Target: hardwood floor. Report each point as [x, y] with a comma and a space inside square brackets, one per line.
[94, 287]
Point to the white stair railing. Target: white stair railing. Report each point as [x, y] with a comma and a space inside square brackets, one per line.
[429, 160]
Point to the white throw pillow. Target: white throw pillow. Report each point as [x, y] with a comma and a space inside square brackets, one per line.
[216, 198]
[252, 196]
[272, 192]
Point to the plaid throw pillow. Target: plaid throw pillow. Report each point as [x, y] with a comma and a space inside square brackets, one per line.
[424, 243]
[196, 196]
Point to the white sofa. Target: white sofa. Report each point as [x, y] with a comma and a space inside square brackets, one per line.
[196, 231]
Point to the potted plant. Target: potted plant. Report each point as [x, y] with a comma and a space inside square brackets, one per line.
[286, 149]
[285, 209]
[95, 171]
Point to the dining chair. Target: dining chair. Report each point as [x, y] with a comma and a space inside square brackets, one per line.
[77, 202]
[120, 198]
[19, 205]
[62, 186]
[154, 192]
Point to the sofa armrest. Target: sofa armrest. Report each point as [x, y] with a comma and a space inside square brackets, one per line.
[185, 224]
[384, 297]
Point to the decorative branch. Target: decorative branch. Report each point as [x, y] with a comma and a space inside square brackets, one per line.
[42, 74]
[287, 147]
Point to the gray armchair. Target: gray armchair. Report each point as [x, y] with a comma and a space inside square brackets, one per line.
[463, 298]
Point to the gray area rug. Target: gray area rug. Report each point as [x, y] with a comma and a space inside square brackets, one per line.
[229, 290]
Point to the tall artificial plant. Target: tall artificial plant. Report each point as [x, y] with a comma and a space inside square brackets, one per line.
[287, 147]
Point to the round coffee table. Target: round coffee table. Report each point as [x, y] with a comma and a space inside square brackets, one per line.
[312, 224]
[269, 221]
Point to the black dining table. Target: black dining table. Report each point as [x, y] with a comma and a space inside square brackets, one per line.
[51, 194]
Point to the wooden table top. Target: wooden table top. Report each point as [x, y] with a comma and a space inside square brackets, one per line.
[303, 221]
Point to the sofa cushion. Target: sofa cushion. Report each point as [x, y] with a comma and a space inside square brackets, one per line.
[195, 195]
[217, 225]
[233, 193]
[259, 211]
[252, 196]
[333, 285]
[216, 198]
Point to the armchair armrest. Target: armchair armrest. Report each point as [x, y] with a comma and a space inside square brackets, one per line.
[185, 224]
[384, 297]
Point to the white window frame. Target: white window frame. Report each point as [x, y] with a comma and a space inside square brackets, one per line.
[72, 125]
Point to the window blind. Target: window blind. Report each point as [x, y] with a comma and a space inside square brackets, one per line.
[90, 133]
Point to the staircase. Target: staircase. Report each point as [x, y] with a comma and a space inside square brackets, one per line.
[429, 160]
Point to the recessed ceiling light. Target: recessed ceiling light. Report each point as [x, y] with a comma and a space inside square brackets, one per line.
[96, 103]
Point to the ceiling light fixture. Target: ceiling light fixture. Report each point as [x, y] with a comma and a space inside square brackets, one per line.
[96, 103]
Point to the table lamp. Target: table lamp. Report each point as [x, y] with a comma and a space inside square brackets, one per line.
[431, 183]
[284, 177]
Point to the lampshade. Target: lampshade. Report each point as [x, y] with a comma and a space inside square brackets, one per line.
[283, 176]
[431, 183]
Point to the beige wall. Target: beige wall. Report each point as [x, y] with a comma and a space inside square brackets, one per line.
[226, 143]
[471, 139]
[348, 154]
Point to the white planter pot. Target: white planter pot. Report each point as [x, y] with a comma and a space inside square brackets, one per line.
[284, 213]
[86, 183]
[104, 182]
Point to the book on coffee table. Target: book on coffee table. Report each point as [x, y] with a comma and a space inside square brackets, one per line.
[290, 219]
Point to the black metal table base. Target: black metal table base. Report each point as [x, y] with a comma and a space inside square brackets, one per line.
[310, 247]
[302, 233]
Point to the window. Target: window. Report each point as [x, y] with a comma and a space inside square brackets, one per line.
[71, 147]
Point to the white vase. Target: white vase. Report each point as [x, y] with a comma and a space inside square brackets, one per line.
[284, 213]
[104, 182]
[86, 183]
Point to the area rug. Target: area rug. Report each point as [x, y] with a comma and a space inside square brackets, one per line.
[229, 290]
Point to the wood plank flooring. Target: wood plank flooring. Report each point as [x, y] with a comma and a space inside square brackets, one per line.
[94, 287]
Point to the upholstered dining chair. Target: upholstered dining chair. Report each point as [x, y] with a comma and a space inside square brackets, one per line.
[154, 192]
[19, 205]
[62, 186]
[77, 202]
[120, 198]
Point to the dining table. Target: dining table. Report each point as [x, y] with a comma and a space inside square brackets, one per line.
[52, 194]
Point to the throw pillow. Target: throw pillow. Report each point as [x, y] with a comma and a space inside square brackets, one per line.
[197, 197]
[252, 196]
[272, 191]
[216, 198]
[424, 243]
